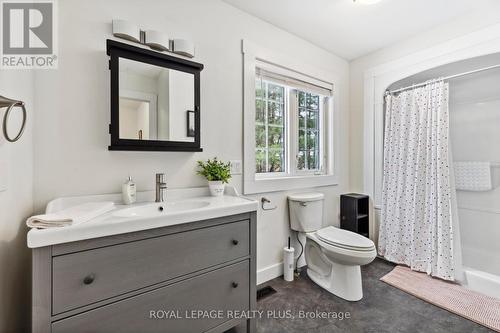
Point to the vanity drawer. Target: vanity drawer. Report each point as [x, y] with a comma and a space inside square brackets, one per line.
[222, 289]
[86, 277]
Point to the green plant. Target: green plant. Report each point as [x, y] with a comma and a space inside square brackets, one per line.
[215, 170]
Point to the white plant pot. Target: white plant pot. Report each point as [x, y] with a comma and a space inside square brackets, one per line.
[216, 188]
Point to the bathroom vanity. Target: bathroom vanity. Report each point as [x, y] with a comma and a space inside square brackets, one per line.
[187, 265]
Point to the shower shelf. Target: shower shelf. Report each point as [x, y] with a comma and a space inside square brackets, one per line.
[495, 178]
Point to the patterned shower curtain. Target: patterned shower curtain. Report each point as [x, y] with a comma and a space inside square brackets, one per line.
[416, 227]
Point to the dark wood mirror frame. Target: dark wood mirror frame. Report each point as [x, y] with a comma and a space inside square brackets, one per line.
[117, 50]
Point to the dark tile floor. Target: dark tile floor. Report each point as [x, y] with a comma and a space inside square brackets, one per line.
[382, 309]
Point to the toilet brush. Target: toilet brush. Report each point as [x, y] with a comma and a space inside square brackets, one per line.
[288, 262]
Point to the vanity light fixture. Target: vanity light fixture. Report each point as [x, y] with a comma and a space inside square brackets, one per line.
[126, 30]
[183, 47]
[157, 40]
[366, 2]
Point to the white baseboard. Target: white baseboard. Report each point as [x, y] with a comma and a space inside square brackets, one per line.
[270, 272]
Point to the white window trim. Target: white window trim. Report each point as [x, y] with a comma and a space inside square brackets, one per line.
[252, 55]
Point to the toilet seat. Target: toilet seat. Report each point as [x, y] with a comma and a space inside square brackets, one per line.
[345, 239]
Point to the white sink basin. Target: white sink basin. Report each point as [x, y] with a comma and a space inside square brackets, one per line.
[183, 206]
[158, 209]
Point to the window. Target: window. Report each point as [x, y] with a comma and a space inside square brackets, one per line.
[288, 127]
[291, 136]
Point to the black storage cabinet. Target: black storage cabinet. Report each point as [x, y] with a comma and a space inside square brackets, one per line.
[354, 213]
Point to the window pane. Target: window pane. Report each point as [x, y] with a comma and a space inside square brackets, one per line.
[302, 118]
[275, 113]
[260, 136]
[312, 140]
[312, 102]
[301, 160]
[260, 111]
[275, 135]
[302, 99]
[269, 127]
[302, 139]
[260, 160]
[276, 161]
[313, 119]
[312, 160]
[275, 92]
[308, 132]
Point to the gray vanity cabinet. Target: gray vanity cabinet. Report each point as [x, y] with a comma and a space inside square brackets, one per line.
[185, 278]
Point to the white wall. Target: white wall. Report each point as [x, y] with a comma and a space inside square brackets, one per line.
[16, 204]
[71, 133]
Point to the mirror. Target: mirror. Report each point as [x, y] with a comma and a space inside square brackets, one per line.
[154, 100]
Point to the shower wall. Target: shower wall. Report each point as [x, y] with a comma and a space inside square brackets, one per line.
[475, 136]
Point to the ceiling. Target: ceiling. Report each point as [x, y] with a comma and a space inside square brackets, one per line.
[350, 29]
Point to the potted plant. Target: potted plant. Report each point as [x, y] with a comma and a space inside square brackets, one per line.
[217, 173]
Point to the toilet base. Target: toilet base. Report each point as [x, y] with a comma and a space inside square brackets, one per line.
[342, 281]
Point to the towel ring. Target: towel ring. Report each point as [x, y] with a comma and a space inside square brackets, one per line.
[11, 104]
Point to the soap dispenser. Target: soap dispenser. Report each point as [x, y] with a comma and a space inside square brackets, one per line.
[128, 192]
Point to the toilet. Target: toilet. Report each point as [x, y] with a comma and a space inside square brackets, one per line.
[333, 256]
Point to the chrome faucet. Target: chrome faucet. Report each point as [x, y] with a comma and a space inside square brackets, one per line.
[161, 187]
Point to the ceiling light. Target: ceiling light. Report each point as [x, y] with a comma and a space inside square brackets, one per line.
[366, 2]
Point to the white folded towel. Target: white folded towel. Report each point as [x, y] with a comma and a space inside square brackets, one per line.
[473, 176]
[70, 216]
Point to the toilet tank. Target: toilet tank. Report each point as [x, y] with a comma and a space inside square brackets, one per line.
[306, 211]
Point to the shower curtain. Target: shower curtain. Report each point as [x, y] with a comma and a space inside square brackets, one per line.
[416, 222]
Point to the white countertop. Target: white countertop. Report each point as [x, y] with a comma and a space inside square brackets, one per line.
[111, 224]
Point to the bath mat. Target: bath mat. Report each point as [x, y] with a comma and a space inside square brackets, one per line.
[469, 304]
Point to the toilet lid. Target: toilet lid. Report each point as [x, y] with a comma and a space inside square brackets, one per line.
[345, 239]
[305, 197]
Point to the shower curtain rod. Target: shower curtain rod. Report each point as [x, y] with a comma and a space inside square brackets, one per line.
[387, 92]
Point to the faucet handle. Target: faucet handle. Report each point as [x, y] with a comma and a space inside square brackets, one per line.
[160, 177]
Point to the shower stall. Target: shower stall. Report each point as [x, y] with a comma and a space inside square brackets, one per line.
[474, 120]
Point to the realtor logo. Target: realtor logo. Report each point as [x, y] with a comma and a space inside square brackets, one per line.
[28, 35]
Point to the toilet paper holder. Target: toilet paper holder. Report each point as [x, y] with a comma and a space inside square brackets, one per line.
[265, 201]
